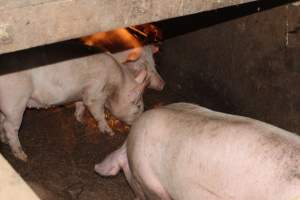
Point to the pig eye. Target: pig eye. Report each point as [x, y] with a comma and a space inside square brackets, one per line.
[139, 106]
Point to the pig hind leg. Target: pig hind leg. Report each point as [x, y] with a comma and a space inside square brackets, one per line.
[13, 101]
[11, 125]
[12, 106]
[154, 189]
[134, 184]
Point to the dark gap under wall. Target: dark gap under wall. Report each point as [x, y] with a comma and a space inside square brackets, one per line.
[70, 49]
[243, 66]
[182, 25]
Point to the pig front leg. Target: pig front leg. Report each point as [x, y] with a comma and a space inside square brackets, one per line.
[96, 107]
[79, 111]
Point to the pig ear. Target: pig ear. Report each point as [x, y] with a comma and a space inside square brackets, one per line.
[154, 49]
[141, 76]
[128, 55]
[134, 54]
[122, 56]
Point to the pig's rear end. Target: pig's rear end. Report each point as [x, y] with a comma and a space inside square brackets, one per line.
[187, 152]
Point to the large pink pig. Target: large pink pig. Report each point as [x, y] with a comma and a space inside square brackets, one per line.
[187, 152]
[94, 81]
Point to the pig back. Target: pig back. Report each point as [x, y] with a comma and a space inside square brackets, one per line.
[65, 81]
[198, 153]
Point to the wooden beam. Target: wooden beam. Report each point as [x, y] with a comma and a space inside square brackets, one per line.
[29, 23]
[12, 186]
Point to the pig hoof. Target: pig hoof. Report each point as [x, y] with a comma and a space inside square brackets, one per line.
[21, 155]
[111, 133]
[107, 130]
[79, 118]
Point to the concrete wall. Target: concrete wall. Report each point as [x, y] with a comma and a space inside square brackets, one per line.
[248, 66]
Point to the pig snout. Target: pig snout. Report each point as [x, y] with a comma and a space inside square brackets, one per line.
[156, 82]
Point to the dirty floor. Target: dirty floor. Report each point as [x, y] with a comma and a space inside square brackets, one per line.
[62, 154]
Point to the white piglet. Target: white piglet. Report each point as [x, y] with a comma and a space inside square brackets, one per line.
[95, 81]
[187, 152]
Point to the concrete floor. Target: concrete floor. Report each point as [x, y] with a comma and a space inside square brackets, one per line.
[62, 154]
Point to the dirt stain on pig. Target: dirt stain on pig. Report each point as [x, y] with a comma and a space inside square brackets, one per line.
[294, 174]
[272, 139]
[225, 126]
[293, 164]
